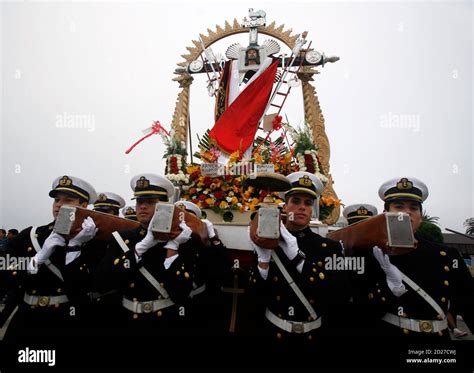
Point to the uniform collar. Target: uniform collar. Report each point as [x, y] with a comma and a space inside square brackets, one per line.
[302, 232]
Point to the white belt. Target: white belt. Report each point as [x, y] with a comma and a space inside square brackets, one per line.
[146, 307]
[292, 326]
[423, 326]
[197, 291]
[43, 301]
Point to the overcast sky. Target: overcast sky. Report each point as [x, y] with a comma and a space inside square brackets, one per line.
[109, 66]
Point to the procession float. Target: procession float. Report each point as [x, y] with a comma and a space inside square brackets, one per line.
[250, 135]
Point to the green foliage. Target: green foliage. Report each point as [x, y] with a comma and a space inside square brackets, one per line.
[430, 231]
[469, 224]
[430, 219]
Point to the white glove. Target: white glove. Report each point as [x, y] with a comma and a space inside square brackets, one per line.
[86, 234]
[263, 254]
[289, 245]
[393, 274]
[210, 228]
[183, 237]
[148, 242]
[48, 248]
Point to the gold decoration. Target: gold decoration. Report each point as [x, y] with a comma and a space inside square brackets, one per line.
[313, 113]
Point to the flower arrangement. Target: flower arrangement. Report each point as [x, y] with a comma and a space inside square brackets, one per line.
[175, 155]
[326, 206]
[221, 193]
[228, 191]
[305, 151]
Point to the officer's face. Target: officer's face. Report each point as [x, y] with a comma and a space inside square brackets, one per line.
[65, 199]
[299, 209]
[409, 207]
[146, 209]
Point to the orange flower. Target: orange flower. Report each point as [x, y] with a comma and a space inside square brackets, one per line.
[210, 201]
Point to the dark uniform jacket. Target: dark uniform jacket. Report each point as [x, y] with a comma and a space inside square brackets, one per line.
[324, 287]
[45, 319]
[439, 270]
[120, 271]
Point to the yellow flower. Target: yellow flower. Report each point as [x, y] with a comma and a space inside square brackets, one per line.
[223, 205]
[210, 201]
[234, 201]
[258, 158]
[234, 157]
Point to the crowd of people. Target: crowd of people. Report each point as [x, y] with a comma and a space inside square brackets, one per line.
[135, 286]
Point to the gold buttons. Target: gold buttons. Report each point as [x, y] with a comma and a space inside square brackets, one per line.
[324, 244]
[446, 283]
[57, 305]
[322, 276]
[311, 279]
[315, 270]
[135, 316]
[178, 273]
[379, 291]
[275, 279]
[443, 300]
[127, 242]
[405, 331]
[29, 249]
[159, 313]
[116, 261]
[446, 268]
[277, 297]
[59, 290]
[131, 285]
[123, 257]
[14, 273]
[383, 299]
[310, 337]
[279, 335]
[186, 274]
[311, 301]
[320, 264]
[371, 295]
[162, 284]
[442, 253]
[254, 281]
[33, 291]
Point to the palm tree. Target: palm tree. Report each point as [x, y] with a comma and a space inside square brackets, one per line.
[429, 228]
[469, 224]
[430, 219]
